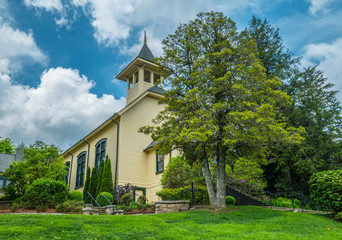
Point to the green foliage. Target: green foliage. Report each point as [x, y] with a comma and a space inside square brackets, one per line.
[107, 179]
[71, 206]
[338, 217]
[86, 197]
[75, 195]
[133, 205]
[177, 173]
[126, 199]
[41, 161]
[314, 107]
[102, 199]
[201, 194]
[326, 189]
[100, 176]
[141, 200]
[93, 182]
[46, 192]
[230, 200]
[6, 146]
[221, 105]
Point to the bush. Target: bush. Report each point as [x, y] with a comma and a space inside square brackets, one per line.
[133, 205]
[141, 200]
[230, 200]
[102, 201]
[72, 206]
[201, 194]
[122, 190]
[338, 217]
[326, 189]
[75, 195]
[127, 199]
[45, 192]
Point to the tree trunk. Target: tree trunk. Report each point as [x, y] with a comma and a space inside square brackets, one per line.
[221, 184]
[208, 181]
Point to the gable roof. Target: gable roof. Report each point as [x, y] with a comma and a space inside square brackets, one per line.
[5, 160]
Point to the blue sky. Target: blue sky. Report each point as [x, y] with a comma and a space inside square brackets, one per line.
[59, 59]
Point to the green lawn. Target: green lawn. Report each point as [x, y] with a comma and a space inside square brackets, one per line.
[242, 223]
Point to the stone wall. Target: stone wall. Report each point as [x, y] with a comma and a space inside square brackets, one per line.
[172, 206]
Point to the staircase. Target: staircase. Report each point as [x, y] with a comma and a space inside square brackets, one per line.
[242, 199]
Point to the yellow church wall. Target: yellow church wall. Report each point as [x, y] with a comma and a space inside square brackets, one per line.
[108, 132]
[133, 167]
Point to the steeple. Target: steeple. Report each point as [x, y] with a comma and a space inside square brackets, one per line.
[141, 74]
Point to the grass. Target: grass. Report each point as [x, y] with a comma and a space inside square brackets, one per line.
[240, 223]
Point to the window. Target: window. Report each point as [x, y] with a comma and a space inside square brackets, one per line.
[156, 78]
[66, 178]
[136, 74]
[130, 82]
[4, 181]
[81, 160]
[159, 163]
[100, 152]
[147, 76]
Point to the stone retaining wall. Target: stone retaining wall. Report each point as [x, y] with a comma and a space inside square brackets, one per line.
[172, 206]
[108, 210]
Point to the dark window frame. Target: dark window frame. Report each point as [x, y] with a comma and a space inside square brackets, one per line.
[80, 172]
[159, 163]
[66, 178]
[100, 152]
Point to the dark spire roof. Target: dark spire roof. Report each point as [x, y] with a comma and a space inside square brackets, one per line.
[145, 52]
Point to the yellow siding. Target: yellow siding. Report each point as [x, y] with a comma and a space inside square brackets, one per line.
[132, 158]
[108, 132]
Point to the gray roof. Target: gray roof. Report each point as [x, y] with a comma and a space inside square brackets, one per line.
[156, 89]
[5, 160]
[145, 53]
[151, 145]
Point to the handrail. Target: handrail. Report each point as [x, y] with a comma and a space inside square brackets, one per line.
[108, 200]
[93, 199]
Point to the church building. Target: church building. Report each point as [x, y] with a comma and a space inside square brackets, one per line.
[133, 156]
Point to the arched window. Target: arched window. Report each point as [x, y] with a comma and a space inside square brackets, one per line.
[100, 152]
[81, 161]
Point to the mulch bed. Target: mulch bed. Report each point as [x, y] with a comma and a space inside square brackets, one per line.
[137, 211]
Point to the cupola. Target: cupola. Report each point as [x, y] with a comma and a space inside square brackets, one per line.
[141, 74]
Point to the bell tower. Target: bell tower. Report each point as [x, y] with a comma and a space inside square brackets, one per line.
[141, 74]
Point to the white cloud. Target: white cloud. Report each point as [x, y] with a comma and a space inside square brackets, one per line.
[114, 20]
[16, 45]
[48, 5]
[319, 5]
[60, 110]
[329, 60]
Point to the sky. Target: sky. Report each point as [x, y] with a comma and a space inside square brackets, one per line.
[59, 58]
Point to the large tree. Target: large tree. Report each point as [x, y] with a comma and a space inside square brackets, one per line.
[220, 106]
[40, 161]
[314, 106]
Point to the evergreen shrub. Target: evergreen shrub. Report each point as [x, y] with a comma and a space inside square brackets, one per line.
[46, 192]
[102, 201]
[141, 199]
[75, 195]
[230, 200]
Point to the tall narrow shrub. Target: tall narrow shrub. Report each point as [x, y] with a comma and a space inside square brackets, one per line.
[107, 178]
[86, 198]
[99, 179]
[93, 182]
